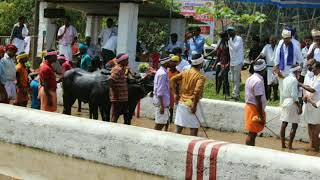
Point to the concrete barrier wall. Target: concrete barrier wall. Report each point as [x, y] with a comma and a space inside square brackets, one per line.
[165, 154]
[228, 116]
[224, 116]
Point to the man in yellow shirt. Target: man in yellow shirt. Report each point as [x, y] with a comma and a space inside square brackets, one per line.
[192, 82]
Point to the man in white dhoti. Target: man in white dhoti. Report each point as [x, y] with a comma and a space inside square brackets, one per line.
[188, 114]
[18, 35]
[311, 110]
[287, 55]
[290, 107]
[8, 72]
[66, 35]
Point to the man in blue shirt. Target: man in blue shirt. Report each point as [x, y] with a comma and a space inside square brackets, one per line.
[196, 43]
[34, 85]
[85, 58]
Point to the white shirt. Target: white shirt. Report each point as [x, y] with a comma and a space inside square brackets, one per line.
[171, 46]
[316, 95]
[111, 44]
[236, 51]
[290, 90]
[68, 36]
[297, 58]
[182, 65]
[268, 52]
[105, 34]
[304, 52]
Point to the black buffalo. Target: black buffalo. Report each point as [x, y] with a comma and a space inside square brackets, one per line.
[93, 88]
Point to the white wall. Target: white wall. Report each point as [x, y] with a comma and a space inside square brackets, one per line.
[225, 116]
[147, 150]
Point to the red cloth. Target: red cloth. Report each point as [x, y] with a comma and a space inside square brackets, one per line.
[2, 49]
[47, 74]
[12, 47]
[66, 66]
[155, 60]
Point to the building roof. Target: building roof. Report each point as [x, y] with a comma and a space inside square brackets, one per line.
[147, 9]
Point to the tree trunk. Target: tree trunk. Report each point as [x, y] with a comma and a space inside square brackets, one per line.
[250, 25]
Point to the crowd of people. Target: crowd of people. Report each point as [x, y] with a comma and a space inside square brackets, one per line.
[287, 68]
[294, 70]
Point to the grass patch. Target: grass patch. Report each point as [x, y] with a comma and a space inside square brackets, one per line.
[210, 93]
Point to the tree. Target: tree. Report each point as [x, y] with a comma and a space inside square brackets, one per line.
[221, 12]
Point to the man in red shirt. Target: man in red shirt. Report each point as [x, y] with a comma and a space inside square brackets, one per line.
[48, 83]
[65, 63]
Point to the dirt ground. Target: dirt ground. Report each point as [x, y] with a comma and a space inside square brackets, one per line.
[238, 138]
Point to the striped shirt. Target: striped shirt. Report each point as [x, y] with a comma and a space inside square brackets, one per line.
[118, 85]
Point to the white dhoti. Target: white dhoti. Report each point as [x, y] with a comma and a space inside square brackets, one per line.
[162, 118]
[280, 82]
[10, 87]
[20, 44]
[289, 111]
[185, 118]
[66, 51]
[311, 115]
[272, 79]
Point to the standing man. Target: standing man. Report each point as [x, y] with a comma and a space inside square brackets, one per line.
[92, 51]
[66, 35]
[311, 107]
[195, 44]
[236, 60]
[175, 60]
[109, 48]
[8, 72]
[191, 84]
[22, 80]
[19, 33]
[308, 109]
[174, 43]
[223, 62]
[3, 92]
[314, 50]
[256, 101]
[119, 89]
[268, 52]
[85, 63]
[161, 94]
[48, 83]
[104, 36]
[291, 109]
[287, 55]
[183, 64]
[308, 41]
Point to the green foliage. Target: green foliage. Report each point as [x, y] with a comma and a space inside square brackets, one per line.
[143, 67]
[10, 10]
[221, 12]
[153, 33]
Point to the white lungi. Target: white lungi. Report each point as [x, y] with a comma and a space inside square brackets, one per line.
[311, 115]
[10, 87]
[185, 118]
[19, 44]
[66, 51]
[289, 111]
[162, 118]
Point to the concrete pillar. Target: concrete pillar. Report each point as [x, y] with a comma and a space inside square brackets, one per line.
[127, 31]
[89, 25]
[47, 29]
[178, 26]
[93, 27]
[96, 29]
